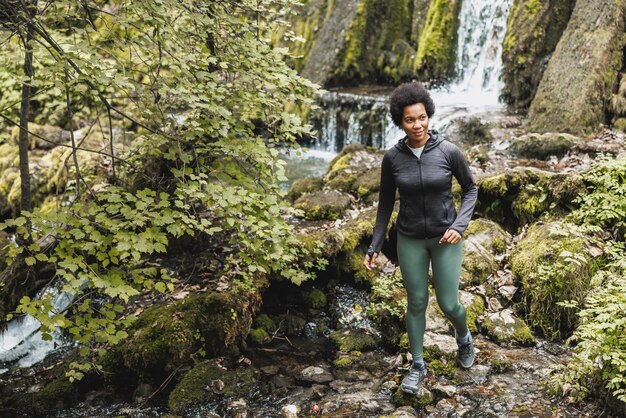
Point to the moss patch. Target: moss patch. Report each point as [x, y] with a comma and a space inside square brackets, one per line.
[435, 54]
[353, 340]
[165, 336]
[208, 382]
[305, 185]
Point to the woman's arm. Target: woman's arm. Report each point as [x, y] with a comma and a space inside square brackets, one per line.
[469, 195]
[386, 200]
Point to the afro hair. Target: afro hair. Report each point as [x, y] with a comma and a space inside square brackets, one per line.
[408, 94]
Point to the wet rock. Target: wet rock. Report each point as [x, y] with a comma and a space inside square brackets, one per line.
[290, 324]
[404, 412]
[505, 328]
[444, 391]
[142, 392]
[281, 381]
[542, 146]
[340, 386]
[238, 408]
[499, 363]
[468, 131]
[476, 375]
[290, 411]
[316, 374]
[325, 204]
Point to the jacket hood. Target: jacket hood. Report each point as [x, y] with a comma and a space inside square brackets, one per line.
[433, 142]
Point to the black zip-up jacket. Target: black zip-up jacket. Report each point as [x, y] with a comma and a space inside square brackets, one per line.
[425, 185]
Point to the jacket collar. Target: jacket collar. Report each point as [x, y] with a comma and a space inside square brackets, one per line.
[434, 141]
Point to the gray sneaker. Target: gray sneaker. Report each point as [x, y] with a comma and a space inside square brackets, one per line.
[465, 355]
[411, 383]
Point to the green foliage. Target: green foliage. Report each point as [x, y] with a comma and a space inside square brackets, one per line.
[207, 98]
[600, 353]
[604, 206]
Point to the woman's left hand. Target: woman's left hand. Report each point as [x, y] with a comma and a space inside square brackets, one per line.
[450, 237]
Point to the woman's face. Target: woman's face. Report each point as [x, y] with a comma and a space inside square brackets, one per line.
[415, 124]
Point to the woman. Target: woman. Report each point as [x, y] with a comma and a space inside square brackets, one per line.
[421, 166]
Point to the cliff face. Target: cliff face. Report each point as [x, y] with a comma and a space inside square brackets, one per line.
[375, 41]
[578, 83]
[534, 28]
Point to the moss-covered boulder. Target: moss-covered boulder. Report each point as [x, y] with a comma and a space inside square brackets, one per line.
[542, 146]
[505, 328]
[435, 54]
[351, 263]
[264, 321]
[356, 170]
[524, 194]
[208, 382]
[166, 335]
[579, 79]
[483, 240]
[555, 262]
[315, 299]
[534, 28]
[354, 340]
[325, 204]
[304, 185]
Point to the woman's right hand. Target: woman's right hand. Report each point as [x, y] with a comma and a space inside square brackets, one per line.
[370, 262]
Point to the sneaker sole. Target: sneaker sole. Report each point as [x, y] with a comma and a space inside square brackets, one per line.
[409, 390]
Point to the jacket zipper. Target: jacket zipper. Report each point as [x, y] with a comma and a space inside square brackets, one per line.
[419, 166]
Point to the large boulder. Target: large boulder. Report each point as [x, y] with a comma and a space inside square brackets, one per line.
[533, 31]
[580, 76]
[355, 170]
[555, 262]
[543, 146]
[484, 239]
[324, 204]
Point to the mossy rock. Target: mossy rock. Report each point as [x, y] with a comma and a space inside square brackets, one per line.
[435, 54]
[469, 131]
[315, 299]
[620, 124]
[53, 135]
[533, 31]
[524, 195]
[542, 146]
[348, 360]
[264, 321]
[259, 336]
[207, 382]
[422, 398]
[484, 239]
[505, 328]
[355, 170]
[4, 241]
[354, 340]
[352, 264]
[165, 336]
[596, 32]
[304, 185]
[555, 262]
[325, 204]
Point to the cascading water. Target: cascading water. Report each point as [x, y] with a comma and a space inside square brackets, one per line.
[21, 343]
[363, 118]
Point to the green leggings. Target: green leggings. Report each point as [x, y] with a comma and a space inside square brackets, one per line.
[414, 256]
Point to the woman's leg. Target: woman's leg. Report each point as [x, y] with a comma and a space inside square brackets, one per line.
[446, 263]
[414, 259]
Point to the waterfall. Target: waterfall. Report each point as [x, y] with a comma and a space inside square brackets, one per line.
[348, 117]
[21, 343]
